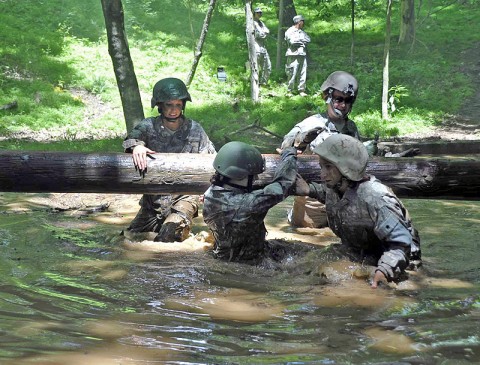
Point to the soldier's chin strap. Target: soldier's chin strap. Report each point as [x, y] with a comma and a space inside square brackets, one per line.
[227, 181]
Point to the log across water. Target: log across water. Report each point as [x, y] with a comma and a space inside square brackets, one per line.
[24, 171]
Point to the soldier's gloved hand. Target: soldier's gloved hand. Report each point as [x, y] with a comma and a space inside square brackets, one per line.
[304, 138]
[301, 187]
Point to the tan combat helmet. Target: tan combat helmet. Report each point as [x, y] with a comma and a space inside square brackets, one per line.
[348, 154]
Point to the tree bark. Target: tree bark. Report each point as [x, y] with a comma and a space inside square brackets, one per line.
[286, 12]
[23, 171]
[407, 22]
[386, 61]
[122, 63]
[280, 35]
[201, 41]
[352, 48]
[252, 53]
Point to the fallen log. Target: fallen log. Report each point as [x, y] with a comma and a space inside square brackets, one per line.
[23, 171]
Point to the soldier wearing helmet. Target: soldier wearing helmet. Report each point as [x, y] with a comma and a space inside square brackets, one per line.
[339, 91]
[170, 216]
[372, 223]
[296, 65]
[234, 211]
[263, 58]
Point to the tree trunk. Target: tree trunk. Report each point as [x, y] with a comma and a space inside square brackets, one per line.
[22, 171]
[352, 48]
[252, 53]
[289, 12]
[122, 63]
[386, 57]
[286, 12]
[201, 41]
[280, 35]
[407, 22]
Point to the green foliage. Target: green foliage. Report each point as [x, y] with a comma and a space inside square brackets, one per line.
[49, 48]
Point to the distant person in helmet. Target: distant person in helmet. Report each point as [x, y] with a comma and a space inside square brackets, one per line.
[339, 91]
[296, 64]
[170, 132]
[261, 34]
[233, 211]
[372, 223]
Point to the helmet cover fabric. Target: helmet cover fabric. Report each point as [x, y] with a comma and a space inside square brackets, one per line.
[348, 154]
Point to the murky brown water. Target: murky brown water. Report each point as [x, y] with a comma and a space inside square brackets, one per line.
[73, 291]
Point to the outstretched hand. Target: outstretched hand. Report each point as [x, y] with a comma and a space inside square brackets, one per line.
[378, 278]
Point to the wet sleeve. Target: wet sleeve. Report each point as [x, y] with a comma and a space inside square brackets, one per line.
[284, 179]
[134, 138]
[317, 191]
[392, 229]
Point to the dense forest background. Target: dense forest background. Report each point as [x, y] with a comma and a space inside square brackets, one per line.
[57, 81]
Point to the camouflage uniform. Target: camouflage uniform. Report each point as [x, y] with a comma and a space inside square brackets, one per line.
[236, 218]
[263, 59]
[308, 212]
[372, 223]
[296, 64]
[321, 127]
[189, 138]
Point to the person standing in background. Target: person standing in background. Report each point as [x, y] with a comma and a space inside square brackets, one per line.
[296, 65]
[263, 59]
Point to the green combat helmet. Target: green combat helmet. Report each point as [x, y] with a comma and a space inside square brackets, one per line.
[348, 154]
[238, 160]
[341, 81]
[170, 88]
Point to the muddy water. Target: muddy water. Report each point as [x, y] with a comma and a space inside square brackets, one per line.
[74, 291]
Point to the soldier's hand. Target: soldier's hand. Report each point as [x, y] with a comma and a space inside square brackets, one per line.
[139, 155]
[301, 187]
[378, 278]
[304, 138]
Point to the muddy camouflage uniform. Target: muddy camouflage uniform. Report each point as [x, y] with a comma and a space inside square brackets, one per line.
[373, 224]
[189, 138]
[306, 135]
[236, 217]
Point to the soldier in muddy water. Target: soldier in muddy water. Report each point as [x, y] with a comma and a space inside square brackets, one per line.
[372, 223]
[170, 216]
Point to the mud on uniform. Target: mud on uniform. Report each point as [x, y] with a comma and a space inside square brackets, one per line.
[236, 217]
[189, 138]
[372, 223]
[307, 212]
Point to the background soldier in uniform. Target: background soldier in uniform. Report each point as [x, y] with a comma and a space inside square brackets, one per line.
[296, 65]
[170, 132]
[263, 59]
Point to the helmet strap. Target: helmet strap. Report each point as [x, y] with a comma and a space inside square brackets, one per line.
[222, 180]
